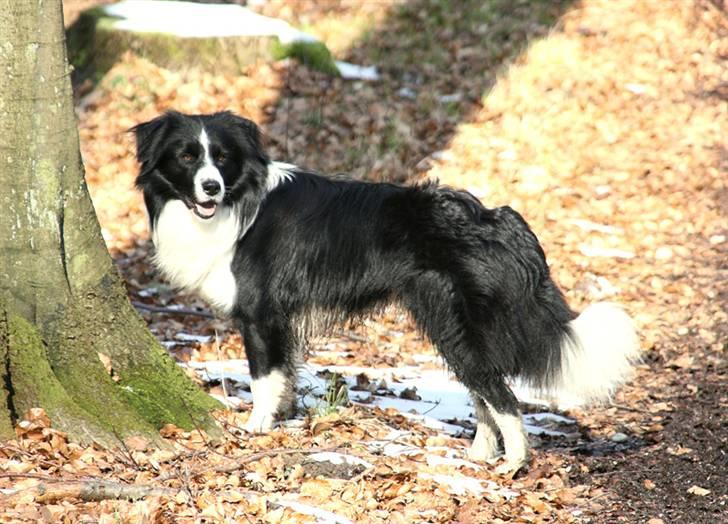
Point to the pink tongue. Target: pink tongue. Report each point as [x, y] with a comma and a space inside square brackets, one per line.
[205, 211]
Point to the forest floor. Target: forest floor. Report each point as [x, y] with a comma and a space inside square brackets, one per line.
[603, 122]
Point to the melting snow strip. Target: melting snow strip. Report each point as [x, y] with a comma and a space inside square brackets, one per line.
[186, 337]
[442, 399]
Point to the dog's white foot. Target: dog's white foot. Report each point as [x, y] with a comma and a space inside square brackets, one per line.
[515, 441]
[511, 465]
[267, 394]
[516, 454]
[259, 422]
[485, 444]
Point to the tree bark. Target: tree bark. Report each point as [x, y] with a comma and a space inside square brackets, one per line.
[62, 301]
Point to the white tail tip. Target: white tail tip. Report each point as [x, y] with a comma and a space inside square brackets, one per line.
[597, 358]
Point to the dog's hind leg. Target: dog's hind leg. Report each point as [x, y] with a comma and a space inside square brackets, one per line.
[502, 406]
[269, 347]
[485, 442]
[435, 305]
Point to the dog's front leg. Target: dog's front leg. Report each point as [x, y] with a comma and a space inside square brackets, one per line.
[268, 346]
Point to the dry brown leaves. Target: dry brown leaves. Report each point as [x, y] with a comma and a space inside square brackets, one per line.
[272, 478]
[609, 135]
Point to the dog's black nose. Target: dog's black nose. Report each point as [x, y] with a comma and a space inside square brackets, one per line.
[211, 187]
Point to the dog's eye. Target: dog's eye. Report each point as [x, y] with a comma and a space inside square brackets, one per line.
[220, 158]
[187, 157]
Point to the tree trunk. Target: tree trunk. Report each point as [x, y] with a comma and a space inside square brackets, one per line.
[62, 302]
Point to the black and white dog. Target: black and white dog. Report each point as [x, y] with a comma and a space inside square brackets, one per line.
[274, 246]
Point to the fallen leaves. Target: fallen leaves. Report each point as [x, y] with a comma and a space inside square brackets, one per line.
[608, 135]
[249, 475]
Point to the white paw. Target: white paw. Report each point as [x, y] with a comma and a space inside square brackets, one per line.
[259, 422]
[484, 446]
[511, 465]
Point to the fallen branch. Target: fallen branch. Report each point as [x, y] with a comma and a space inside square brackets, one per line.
[238, 463]
[88, 491]
[39, 476]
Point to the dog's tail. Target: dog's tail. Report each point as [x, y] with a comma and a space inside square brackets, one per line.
[597, 354]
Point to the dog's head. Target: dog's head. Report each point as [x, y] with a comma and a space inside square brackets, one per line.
[205, 161]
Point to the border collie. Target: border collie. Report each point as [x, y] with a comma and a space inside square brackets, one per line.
[275, 248]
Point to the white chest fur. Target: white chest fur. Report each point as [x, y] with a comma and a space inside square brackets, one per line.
[196, 254]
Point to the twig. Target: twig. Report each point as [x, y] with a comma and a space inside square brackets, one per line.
[172, 311]
[126, 450]
[39, 476]
[439, 400]
[90, 491]
[253, 457]
[204, 438]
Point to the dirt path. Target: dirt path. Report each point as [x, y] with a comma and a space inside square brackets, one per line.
[607, 131]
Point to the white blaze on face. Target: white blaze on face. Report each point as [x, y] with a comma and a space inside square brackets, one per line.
[207, 173]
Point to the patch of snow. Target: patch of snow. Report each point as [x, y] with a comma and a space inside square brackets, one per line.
[456, 485]
[390, 449]
[548, 417]
[339, 459]
[452, 98]
[322, 516]
[186, 337]
[444, 155]
[442, 397]
[254, 477]
[437, 460]
[406, 92]
[233, 369]
[532, 429]
[637, 89]
[433, 423]
[194, 20]
[356, 72]
[229, 401]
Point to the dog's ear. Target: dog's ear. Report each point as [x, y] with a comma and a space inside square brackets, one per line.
[149, 135]
[249, 134]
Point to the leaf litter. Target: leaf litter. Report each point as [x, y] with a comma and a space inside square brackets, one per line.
[607, 131]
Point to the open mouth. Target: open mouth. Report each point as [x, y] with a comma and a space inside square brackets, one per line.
[205, 210]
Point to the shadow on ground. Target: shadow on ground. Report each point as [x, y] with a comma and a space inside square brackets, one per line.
[437, 60]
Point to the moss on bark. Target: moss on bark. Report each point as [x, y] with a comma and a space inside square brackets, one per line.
[6, 407]
[314, 55]
[149, 380]
[63, 300]
[33, 384]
